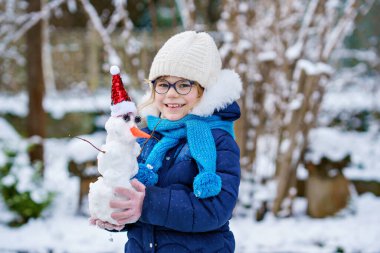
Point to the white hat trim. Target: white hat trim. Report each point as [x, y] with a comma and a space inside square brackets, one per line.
[122, 108]
[219, 95]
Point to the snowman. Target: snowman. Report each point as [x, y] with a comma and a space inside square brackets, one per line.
[117, 162]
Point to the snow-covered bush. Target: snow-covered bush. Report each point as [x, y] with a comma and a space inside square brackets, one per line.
[21, 186]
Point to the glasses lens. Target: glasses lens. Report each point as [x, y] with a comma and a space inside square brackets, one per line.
[183, 87]
[161, 86]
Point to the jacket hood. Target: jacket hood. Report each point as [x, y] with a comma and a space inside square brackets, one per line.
[230, 113]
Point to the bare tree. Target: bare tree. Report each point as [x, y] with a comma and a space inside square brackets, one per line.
[18, 23]
[282, 51]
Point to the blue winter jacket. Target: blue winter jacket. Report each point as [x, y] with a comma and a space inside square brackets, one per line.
[173, 219]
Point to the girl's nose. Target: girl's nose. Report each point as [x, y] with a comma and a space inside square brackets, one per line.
[172, 93]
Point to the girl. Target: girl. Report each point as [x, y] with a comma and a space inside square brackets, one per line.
[189, 172]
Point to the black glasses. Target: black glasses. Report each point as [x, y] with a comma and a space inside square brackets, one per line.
[182, 87]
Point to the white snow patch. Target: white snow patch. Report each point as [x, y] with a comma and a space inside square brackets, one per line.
[314, 69]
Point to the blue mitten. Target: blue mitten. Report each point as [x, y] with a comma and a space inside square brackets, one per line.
[207, 184]
[146, 175]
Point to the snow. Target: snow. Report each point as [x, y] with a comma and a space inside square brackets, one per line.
[63, 230]
[267, 56]
[352, 233]
[120, 152]
[351, 100]
[16, 104]
[7, 132]
[59, 233]
[314, 69]
[80, 151]
[364, 149]
[368, 55]
[294, 52]
[345, 24]
[57, 104]
[25, 22]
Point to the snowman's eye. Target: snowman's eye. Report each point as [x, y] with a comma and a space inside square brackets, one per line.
[137, 119]
[126, 117]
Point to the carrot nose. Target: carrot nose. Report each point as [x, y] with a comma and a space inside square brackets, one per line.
[138, 133]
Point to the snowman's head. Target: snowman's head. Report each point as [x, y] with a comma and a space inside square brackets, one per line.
[123, 128]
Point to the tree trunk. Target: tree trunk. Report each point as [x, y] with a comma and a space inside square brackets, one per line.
[153, 16]
[35, 83]
[296, 132]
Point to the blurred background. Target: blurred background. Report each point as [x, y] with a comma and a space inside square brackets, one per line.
[309, 133]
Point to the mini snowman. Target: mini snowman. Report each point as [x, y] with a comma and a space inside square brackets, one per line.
[118, 163]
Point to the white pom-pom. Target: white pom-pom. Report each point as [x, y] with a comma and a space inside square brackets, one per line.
[114, 70]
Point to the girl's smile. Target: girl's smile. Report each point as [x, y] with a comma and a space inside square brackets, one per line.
[174, 105]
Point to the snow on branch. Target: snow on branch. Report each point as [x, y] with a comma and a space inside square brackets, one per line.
[28, 20]
[116, 16]
[295, 51]
[266, 56]
[121, 15]
[113, 58]
[312, 69]
[344, 25]
[367, 55]
[187, 8]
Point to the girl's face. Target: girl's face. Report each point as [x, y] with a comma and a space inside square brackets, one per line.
[174, 106]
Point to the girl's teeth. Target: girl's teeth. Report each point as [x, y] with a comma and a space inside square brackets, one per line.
[173, 105]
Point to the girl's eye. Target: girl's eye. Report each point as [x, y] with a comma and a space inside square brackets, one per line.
[126, 117]
[184, 85]
[162, 85]
[137, 119]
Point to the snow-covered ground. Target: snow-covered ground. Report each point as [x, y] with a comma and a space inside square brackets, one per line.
[64, 231]
[358, 232]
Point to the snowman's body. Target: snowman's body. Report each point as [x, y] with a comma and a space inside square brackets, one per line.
[117, 166]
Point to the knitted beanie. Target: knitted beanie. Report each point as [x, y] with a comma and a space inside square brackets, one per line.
[195, 56]
[189, 55]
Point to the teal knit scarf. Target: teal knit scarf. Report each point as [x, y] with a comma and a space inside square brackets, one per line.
[201, 143]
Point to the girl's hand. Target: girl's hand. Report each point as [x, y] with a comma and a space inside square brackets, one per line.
[105, 224]
[130, 209]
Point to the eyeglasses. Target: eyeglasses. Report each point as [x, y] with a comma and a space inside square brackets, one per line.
[182, 87]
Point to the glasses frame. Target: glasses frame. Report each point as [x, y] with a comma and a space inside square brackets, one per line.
[192, 83]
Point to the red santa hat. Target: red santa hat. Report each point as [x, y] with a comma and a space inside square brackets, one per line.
[121, 103]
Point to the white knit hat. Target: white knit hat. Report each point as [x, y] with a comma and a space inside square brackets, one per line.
[189, 55]
[195, 56]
